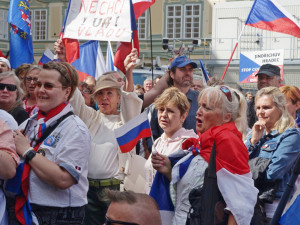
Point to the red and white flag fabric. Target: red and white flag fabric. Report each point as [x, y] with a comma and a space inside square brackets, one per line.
[140, 6]
[124, 48]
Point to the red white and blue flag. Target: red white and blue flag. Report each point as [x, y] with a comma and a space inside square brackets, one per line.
[128, 135]
[110, 59]
[71, 45]
[21, 50]
[91, 61]
[124, 48]
[140, 6]
[269, 15]
[46, 57]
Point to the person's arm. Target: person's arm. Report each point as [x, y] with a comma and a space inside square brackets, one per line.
[162, 164]
[129, 64]
[231, 220]
[59, 50]
[46, 170]
[161, 85]
[7, 149]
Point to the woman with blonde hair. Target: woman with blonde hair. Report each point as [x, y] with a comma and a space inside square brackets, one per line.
[275, 140]
[292, 98]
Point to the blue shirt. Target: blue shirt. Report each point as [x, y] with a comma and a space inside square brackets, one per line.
[190, 121]
[283, 149]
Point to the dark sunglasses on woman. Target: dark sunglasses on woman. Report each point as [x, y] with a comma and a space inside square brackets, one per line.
[9, 87]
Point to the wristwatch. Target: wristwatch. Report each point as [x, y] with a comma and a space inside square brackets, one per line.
[29, 156]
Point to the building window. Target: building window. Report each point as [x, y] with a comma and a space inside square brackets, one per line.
[39, 24]
[174, 21]
[192, 21]
[142, 25]
[3, 24]
[183, 25]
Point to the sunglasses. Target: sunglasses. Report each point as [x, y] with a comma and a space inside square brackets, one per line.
[47, 86]
[227, 92]
[87, 91]
[112, 222]
[29, 79]
[9, 87]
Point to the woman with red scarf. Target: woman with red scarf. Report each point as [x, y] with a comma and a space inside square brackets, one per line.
[220, 119]
[55, 149]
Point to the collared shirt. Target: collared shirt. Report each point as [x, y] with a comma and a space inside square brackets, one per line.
[190, 121]
[283, 149]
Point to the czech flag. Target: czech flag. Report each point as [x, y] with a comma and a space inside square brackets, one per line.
[269, 15]
[124, 48]
[140, 6]
[71, 45]
[91, 61]
[132, 131]
[47, 57]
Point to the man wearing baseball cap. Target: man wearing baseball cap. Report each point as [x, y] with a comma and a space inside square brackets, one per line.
[267, 76]
[181, 76]
[4, 65]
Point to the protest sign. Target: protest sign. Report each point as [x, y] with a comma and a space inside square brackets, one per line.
[251, 61]
[104, 20]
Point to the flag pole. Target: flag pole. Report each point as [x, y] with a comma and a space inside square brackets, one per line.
[237, 42]
[152, 68]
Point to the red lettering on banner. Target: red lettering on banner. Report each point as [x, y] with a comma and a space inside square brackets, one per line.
[82, 6]
[119, 32]
[80, 30]
[109, 33]
[100, 32]
[119, 2]
[102, 10]
[93, 6]
[110, 9]
[87, 33]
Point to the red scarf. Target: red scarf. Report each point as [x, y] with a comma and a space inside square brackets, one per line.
[21, 200]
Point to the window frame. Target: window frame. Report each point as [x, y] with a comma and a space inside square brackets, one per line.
[4, 24]
[143, 16]
[192, 22]
[33, 23]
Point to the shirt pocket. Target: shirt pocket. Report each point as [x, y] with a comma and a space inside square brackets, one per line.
[268, 149]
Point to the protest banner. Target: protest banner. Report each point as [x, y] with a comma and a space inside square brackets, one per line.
[103, 20]
[251, 61]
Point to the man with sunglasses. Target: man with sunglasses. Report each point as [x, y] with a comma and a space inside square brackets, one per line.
[4, 65]
[181, 76]
[129, 208]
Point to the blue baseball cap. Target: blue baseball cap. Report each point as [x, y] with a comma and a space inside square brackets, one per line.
[182, 61]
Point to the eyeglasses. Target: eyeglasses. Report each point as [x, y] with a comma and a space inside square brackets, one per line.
[111, 222]
[227, 92]
[47, 86]
[29, 79]
[87, 91]
[9, 87]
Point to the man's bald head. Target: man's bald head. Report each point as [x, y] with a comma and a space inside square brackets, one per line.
[133, 207]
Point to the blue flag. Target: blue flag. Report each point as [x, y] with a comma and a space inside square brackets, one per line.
[205, 74]
[19, 17]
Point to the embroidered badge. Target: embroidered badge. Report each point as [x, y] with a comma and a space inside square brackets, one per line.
[78, 168]
[265, 146]
[49, 141]
[41, 151]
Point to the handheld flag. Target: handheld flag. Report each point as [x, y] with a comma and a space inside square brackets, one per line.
[21, 50]
[140, 6]
[124, 48]
[132, 131]
[1, 54]
[269, 15]
[71, 45]
[46, 57]
[205, 74]
[291, 216]
[110, 59]
[91, 61]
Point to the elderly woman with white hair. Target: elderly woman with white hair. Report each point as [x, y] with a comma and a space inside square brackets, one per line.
[220, 119]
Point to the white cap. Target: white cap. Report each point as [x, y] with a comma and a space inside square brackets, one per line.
[2, 59]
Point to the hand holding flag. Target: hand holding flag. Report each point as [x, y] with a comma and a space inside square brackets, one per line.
[132, 131]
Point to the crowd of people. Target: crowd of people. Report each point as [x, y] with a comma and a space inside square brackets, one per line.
[60, 162]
